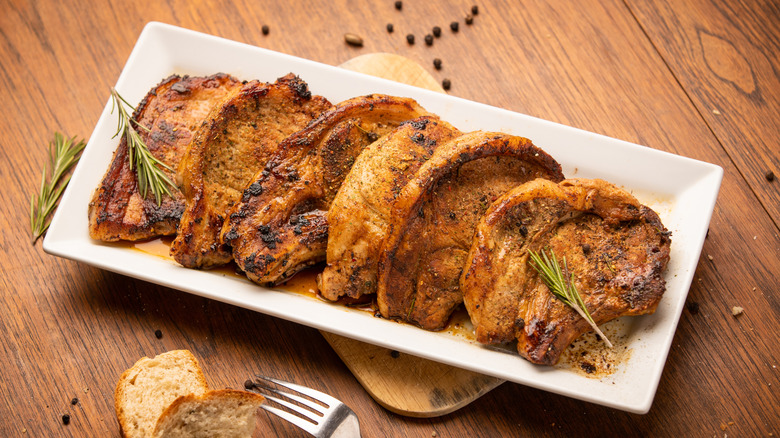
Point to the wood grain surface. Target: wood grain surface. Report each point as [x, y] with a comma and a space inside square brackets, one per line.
[696, 78]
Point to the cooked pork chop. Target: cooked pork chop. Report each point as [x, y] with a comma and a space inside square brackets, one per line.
[433, 221]
[616, 249]
[359, 217]
[233, 144]
[280, 226]
[171, 111]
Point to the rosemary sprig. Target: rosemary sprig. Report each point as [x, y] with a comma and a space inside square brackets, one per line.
[63, 155]
[553, 276]
[148, 169]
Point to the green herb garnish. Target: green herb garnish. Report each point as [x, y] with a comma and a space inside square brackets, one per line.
[63, 155]
[553, 276]
[148, 169]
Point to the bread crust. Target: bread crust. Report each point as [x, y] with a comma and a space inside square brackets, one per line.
[132, 422]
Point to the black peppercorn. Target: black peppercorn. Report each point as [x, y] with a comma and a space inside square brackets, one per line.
[65, 419]
[454, 26]
[770, 176]
[469, 19]
[74, 401]
[436, 31]
[437, 63]
[389, 27]
[399, 5]
[249, 384]
[429, 39]
[265, 29]
[410, 39]
[158, 334]
[395, 354]
[446, 84]
[474, 10]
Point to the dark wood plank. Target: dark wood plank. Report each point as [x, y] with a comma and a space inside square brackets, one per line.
[725, 56]
[69, 330]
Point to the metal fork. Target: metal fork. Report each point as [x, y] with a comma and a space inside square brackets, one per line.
[326, 416]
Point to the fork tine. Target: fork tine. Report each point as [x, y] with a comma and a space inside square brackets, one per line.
[314, 417]
[294, 419]
[326, 399]
[320, 409]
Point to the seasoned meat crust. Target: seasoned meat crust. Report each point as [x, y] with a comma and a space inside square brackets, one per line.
[171, 111]
[433, 221]
[279, 227]
[233, 144]
[359, 217]
[616, 249]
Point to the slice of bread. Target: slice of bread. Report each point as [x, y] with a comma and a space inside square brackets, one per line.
[149, 386]
[221, 413]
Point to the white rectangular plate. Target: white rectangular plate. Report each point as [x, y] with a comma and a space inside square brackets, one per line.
[681, 190]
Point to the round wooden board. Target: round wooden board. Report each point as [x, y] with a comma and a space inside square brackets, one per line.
[405, 384]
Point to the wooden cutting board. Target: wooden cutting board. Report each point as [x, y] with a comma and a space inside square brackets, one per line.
[405, 384]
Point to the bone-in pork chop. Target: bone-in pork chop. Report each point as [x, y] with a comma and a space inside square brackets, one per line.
[359, 217]
[434, 217]
[171, 111]
[615, 248]
[233, 144]
[280, 226]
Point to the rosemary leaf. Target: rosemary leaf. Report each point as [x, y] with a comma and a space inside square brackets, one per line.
[63, 155]
[553, 276]
[149, 171]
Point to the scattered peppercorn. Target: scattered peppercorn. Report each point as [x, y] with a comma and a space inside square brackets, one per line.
[437, 63]
[249, 384]
[399, 5]
[265, 29]
[436, 31]
[158, 334]
[389, 27]
[429, 39]
[770, 176]
[474, 10]
[454, 26]
[446, 84]
[410, 39]
[469, 19]
[693, 307]
[395, 354]
[65, 419]
[74, 401]
[353, 40]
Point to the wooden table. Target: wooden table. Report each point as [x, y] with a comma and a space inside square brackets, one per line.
[697, 78]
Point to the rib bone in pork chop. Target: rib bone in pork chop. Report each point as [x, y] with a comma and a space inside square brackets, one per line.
[233, 144]
[171, 111]
[280, 225]
[615, 248]
[359, 217]
[433, 221]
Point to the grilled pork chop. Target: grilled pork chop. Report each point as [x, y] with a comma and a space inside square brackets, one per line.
[434, 216]
[359, 217]
[280, 227]
[233, 144]
[171, 111]
[616, 249]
